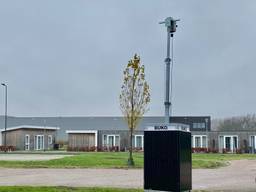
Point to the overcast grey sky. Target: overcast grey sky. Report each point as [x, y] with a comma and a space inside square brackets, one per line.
[65, 58]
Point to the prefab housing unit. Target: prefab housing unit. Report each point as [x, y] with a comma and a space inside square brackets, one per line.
[82, 139]
[103, 139]
[28, 137]
[225, 141]
[1, 137]
[113, 131]
[120, 139]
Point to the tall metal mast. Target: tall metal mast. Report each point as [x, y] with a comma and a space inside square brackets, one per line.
[5, 117]
[170, 23]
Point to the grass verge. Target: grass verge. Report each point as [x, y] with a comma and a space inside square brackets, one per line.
[85, 160]
[72, 189]
[119, 160]
[215, 160]
[63, 189]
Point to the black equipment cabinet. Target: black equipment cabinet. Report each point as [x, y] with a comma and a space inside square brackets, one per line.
[167, 160]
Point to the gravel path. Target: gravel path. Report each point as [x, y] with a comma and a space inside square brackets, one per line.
[239, 176]
[72, 177]
[29, 157]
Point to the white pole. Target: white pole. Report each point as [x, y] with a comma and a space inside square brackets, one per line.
[167, 102]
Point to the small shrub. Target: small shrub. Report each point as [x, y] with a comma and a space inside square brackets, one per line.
[239, 151]
[199, 150]
[213, 150]
[7, 148]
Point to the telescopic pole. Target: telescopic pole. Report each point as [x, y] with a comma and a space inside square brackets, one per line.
[170, 24]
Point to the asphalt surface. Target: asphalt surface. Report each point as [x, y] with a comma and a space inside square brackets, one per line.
[239, 176]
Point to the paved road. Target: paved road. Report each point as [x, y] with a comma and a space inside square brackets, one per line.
[239, 176]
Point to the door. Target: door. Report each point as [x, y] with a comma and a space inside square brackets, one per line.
[197, 142]
[111, 140]
[253, 143]
[39, 141]
[235, 145]
[27, 142]
[228, 143]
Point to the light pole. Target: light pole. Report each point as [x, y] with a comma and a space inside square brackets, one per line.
[170, 23]
[206, 129]
[5, 117]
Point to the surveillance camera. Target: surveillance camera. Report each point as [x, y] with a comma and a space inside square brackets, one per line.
[170, 23]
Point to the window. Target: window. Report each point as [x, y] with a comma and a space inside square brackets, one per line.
[199, 125]
[199, 141]
[138, 141]
[204, 142]
[117, 140]
[27, 142]
[49, 139]
[111, 140]
[104, 140]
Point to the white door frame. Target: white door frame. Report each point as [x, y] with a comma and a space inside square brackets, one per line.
[114, 140]
[231, 141]
[253, 144]
[142, 140]
[36, 142]
[201, 140]
[27, 143]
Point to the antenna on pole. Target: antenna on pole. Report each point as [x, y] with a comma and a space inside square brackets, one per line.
[170, 24]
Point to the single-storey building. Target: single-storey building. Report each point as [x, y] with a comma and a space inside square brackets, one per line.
[243, 141]
[91, 140]
[82, 138]
[108, 139]
[112, 133]
[27, 137]
[1, 136]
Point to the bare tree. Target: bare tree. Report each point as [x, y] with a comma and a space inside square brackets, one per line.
[134, 97]
[239, 123]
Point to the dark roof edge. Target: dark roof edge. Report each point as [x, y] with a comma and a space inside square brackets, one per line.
[98, 116]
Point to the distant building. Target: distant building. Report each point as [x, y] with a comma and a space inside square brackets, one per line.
[112, 132]
[27, 137]
[82, 138]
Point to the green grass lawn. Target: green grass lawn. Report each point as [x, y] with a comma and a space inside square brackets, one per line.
[119, 160]
[215, 160]
[63, 189]
[85, 160]
[66, 189]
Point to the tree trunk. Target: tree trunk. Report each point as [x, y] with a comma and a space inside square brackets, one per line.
[130, 160]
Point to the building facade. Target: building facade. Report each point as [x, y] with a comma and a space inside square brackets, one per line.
[91, 133]
[28, 138]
